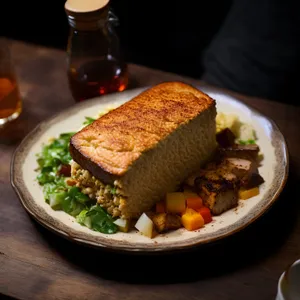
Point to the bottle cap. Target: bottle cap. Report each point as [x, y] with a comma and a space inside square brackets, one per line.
[84, 6]
[86, 14]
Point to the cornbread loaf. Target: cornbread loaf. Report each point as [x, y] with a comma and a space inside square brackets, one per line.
[146, 147]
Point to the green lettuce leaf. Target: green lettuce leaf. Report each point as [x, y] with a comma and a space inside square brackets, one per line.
[101, 221]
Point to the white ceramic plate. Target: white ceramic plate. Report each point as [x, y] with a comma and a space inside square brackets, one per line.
[274, 170]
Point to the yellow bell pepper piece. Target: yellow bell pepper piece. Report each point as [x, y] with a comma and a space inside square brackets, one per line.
[246, 194]
[175, 202]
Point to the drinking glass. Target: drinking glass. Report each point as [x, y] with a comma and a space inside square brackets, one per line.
[10, 99]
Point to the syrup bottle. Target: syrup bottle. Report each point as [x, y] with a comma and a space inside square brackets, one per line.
[94, 58]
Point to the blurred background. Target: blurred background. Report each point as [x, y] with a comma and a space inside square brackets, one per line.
[252, 47]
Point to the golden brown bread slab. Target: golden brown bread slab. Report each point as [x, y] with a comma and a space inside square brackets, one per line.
[122, 135]
[161, 135]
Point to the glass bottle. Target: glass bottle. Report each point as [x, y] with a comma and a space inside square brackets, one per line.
[94, 58]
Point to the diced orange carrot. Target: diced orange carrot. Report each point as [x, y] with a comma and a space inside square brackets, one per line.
[206, 214]
[192, 220]
[194, 203]
[71, 181]
[160, 207]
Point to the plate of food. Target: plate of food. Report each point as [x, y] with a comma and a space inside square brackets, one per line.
[162, 168]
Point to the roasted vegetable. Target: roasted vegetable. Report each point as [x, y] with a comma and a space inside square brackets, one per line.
[192, 220]
[194, 203]
[123, 225]
[145, 226]
[246, 194]
[175, 202]
[206, 214]
[189, 194]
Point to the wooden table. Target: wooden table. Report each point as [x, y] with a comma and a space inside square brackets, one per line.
[37, 264]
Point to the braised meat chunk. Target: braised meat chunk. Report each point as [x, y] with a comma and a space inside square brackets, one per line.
[246, 171]
[221, 173]
[219, 197]
[164, 222]
[255, 179]
[226, 138]
[249, 152]
[242, 168]
[219, 182]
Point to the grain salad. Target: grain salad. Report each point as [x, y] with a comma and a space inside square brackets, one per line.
[106, 195]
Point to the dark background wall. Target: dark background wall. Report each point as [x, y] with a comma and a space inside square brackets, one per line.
[250, 46]
[168, 35]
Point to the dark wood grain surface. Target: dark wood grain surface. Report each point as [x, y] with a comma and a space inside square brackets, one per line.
[37, 264]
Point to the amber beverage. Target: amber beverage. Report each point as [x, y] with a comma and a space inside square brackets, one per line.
[10, 100]
[97, 78]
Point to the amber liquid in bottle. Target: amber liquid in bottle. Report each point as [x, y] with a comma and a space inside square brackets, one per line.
[10, 100]
[97, 78]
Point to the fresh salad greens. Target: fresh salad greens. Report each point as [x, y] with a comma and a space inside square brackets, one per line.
[247, 142]
[88, 121]
[54, 168]
[96, 218]
[52, 157]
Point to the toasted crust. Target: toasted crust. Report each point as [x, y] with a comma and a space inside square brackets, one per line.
[109, 146]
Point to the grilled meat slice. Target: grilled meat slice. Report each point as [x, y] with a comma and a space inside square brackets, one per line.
[221, 173]
[246, 171]
[249, 152]
[164, 222]
[219, 182]
[219, 197]
[226, 138]
[190, 181]
[240, 167]
[230, 170]
[219, 186]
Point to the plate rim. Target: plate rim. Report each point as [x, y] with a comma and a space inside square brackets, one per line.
[124, 246]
